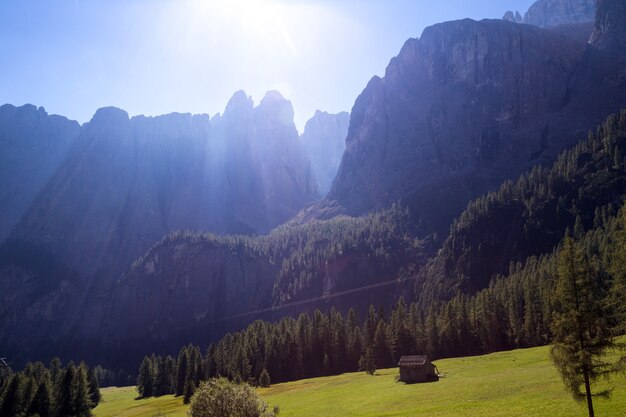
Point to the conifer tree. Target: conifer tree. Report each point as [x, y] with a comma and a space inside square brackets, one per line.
[145, 379]
[264, 379]
[94, 388]
[13, 401]
[369, 364]
[181, 371]
[189, 390]
[617, 295]
[29, 390]
[581, 334]
[42, 402]
[81, 399]
[382, 355]
[65, 396]
[56, 372]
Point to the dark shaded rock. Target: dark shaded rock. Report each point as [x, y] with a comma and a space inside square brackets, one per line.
[610, 26]
[33, 145]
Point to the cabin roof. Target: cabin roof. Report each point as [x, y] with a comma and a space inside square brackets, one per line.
[413, 360]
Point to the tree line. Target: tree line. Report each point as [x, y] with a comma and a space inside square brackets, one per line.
[515, 310]
[53, 391]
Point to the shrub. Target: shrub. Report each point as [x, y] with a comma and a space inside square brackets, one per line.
[219, 398]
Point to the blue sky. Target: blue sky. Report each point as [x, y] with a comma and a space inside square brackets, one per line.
[158, 56]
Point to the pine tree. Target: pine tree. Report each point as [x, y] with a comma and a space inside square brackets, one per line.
[13, 401]
[94, 388]
[42, 402]
[55, 370]
[29, 390]
[145, 379]
[181, 371]
[189, 390]
[382, 354]
[581, 334]
[369, 365]
[264, 379]
[65, 396]
[618, 272]
[81, 401]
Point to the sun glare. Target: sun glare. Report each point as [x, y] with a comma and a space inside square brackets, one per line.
[261, 22]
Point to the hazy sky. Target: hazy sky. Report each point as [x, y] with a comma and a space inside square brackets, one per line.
[158, 56]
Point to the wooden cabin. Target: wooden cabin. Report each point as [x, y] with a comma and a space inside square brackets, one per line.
[417, 368]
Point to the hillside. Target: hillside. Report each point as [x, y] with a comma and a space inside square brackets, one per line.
[516, 383]
[529, 216]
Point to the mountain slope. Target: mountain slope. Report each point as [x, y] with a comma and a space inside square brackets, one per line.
[530, 216]
[195, 287]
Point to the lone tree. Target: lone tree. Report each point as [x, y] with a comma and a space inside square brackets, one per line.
[219, 397]
[264, 379]
[581, 332]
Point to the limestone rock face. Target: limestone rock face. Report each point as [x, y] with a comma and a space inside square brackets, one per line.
[459, 110]
[32, 146]
[324, 138]
[550, 13]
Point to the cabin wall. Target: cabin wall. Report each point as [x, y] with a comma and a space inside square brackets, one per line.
[419, 374]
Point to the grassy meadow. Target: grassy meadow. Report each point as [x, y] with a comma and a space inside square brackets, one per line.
[521, 382]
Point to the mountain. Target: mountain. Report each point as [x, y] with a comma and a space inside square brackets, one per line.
[324, 138]
[551, 13]
[467, 106]
[33, 144]
[125, 183]
[459, 112]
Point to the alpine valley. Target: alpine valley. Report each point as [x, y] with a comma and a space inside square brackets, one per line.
[460, 170]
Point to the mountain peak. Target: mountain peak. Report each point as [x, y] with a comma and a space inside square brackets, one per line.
[239, 101]
[275, 105]
[107, 114]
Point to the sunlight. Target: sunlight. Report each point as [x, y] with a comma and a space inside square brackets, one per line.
[261, 22]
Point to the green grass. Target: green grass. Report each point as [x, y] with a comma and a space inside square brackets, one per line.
[122, 402]
[517, 383]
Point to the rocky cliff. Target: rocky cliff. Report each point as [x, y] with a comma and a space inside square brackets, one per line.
[610, 27]
[324, 138]
[32, 146]
[459, 110]
[551, 13]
